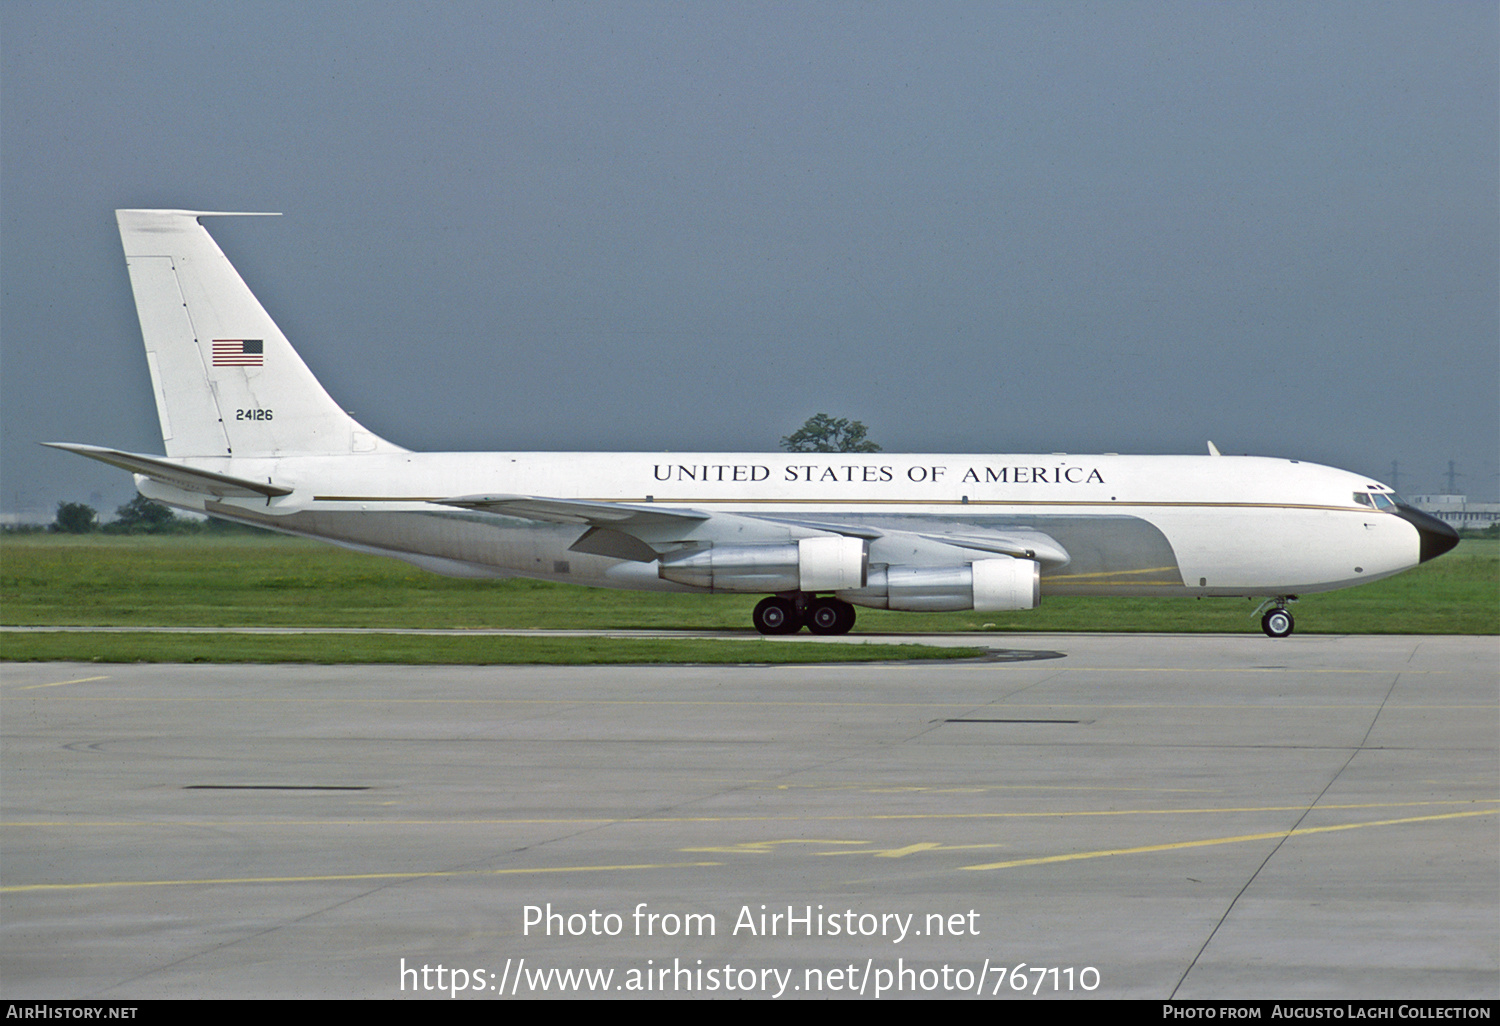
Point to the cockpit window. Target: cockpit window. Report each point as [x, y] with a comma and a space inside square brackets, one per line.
[1363, 499]
[1375, 500]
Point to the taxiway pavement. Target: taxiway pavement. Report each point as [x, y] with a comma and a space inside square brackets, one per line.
[1181, 816]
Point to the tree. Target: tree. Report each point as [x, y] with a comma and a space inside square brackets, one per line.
[75, 518]
[142, 516]
[822, 433]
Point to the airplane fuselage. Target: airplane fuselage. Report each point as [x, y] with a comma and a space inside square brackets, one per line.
[1130, 525]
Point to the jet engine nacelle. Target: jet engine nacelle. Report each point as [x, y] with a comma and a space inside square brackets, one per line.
[812, 564]
[986, 585]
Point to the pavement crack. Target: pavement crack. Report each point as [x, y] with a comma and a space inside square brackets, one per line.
[1277, 846]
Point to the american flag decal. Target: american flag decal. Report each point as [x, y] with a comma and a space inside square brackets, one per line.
[239, 352]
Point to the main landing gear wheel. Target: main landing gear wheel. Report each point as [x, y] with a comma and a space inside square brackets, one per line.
[830, 616]
[776, 615]
[1277, 623]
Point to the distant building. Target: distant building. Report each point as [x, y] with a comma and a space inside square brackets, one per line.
[27, 518]
[1458, 512]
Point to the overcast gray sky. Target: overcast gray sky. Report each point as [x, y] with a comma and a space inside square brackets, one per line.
[983, 227]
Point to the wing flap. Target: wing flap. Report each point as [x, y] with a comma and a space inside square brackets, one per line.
[619, 515]
[618, 530]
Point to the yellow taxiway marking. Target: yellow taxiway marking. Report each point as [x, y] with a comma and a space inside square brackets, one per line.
[257, 824]
[764, 847]
[748, 848]
[1208, 842]
[60, 683]
[347, 877]
[911, 849]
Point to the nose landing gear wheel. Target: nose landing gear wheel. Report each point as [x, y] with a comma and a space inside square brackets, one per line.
[830, 616]
[1277, 623]
[776, 615]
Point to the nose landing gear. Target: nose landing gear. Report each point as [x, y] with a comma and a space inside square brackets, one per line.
[1278, 622]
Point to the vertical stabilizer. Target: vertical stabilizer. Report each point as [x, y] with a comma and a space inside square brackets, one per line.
[227, 381]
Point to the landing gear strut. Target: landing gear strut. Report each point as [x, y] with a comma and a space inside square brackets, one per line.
[782, 614]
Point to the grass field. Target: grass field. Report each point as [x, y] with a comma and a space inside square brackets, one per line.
[202, 580]
[481, 650]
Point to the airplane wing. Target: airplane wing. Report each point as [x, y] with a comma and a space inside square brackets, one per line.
[175, 474]
[644, 533]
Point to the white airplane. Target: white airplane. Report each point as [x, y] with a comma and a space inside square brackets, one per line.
[251, 436]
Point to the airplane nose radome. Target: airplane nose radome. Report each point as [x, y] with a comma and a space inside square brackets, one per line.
[1437, 537]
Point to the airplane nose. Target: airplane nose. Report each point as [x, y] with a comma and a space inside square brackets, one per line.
[1437, 537]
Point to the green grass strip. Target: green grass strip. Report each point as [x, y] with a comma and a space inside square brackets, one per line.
[236, 580]
[441, 650]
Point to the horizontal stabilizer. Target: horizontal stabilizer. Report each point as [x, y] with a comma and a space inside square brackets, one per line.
[175, 474]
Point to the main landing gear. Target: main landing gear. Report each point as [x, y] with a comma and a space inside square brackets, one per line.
[787, 614]
[1278, 622]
